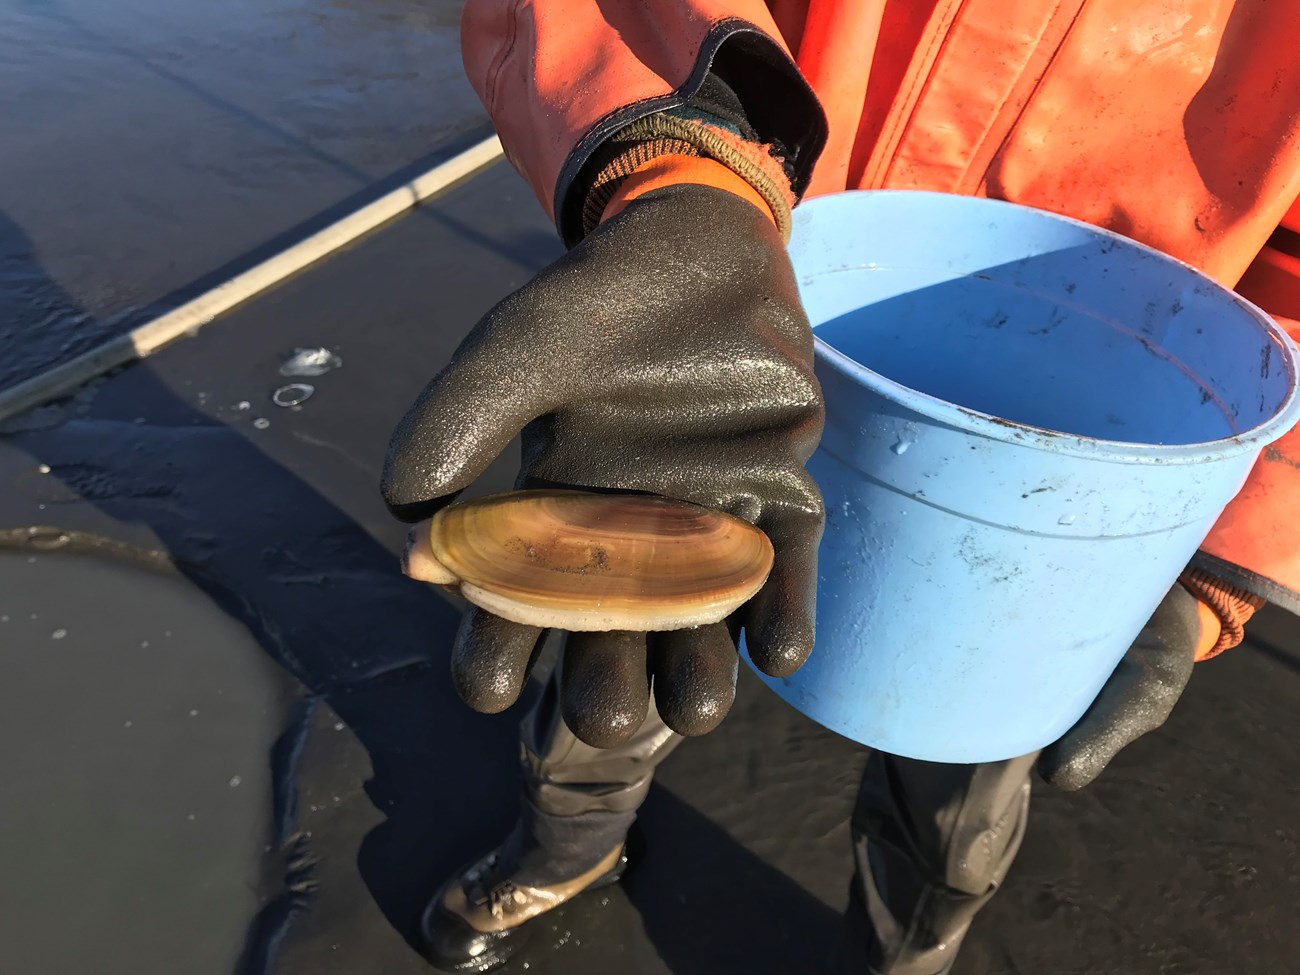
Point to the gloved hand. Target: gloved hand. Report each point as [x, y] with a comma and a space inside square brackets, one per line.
[667, 353]
[1137, 697]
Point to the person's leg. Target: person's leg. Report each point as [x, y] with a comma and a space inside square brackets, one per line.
[931, 844]
[577, 806]
[579, 801]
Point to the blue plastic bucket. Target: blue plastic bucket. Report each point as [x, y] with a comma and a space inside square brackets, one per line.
[1032, 424]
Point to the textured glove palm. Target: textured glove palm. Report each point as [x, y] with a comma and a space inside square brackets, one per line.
[667, 353]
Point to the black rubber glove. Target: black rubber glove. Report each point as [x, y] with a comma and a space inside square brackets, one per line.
[667, 353]
[1137, 697]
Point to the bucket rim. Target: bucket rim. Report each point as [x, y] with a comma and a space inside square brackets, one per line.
[968, 420]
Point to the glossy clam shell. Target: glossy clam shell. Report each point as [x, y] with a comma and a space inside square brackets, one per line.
[578, 561]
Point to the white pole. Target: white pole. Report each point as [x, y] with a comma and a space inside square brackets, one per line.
[188, 318]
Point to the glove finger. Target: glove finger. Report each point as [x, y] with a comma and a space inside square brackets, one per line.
[779, 622]
[1084, 751]
[491, 658]
[604, 686]
[465, 417]
[694, 677]
[1136, 699]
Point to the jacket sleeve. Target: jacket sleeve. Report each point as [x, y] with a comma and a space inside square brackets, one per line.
[558, 77]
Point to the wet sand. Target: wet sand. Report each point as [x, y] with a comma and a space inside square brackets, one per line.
[150, 148]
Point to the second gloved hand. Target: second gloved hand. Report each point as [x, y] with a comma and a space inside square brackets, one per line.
[667, 353]
[1137, 698]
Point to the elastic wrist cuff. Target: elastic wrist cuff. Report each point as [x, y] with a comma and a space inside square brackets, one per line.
[1232, 606]
[670, 135]
[665, 171]
[612, 175]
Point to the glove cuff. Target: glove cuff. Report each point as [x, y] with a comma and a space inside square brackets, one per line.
[665, 171]
[692, 135]
[1229, 606]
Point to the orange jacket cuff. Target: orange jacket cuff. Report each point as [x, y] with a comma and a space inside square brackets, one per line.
[1211, 631]
[674, 170]
[1223, 610]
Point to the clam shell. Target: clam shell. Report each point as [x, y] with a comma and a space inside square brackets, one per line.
[578, 561]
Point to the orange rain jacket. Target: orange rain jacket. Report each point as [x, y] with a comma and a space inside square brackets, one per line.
[1175, 122]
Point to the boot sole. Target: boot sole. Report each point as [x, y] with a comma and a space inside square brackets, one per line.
[517, 938]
